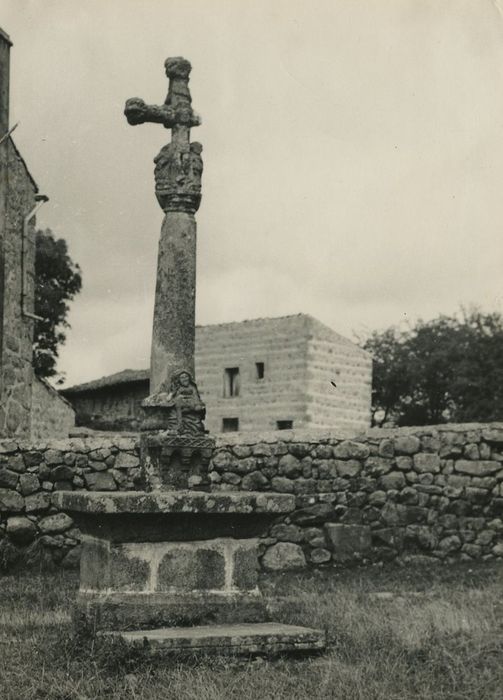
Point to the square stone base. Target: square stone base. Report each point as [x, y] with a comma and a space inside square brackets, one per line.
[131, 611]
[268, 638]
[151, 584]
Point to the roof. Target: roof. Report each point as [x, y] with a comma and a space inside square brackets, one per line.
[23, 163]
[309, 323]
[125, 377]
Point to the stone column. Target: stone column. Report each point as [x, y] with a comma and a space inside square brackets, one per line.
[174, 403]
[175, 296]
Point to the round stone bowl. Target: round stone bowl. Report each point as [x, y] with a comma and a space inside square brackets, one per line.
[170, 558]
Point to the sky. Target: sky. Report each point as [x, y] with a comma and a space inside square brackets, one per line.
[353, 158]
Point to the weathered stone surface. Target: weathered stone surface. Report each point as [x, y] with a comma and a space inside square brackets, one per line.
[255, 480]
[8, 478]
[282, 484]
[287, 533]
[126, 571]
[126, 461]
[290, 466]
[37, 501]
[376, 466]
[21, 530]
[245, 566]
[348, 541]
[260, 638]
[284, 556]
[348, 469]
[320, 555]
[394, 514]
[16, 463]
[477, 467]
[312, 515]
[407, 444]
[10, 501]
[494, 435]
[55, 523]
[426, 462]
[404, 463]
[174, 502]
[28, 484]
[386, 448]
[393, 480]
[187, 569]
[100, 481]
[350, 449]
[54, 457]
[450, 544]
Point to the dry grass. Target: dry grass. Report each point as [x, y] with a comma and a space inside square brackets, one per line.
[436, 634]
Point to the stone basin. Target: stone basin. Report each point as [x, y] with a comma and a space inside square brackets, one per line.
[170, 558]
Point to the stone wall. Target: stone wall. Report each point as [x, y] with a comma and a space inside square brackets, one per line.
[52, 416]
[16, 330]
[432, 492]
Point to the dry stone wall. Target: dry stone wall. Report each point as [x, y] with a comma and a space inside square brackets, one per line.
[416, 493]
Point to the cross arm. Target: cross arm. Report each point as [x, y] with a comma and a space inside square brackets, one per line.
[137, 112]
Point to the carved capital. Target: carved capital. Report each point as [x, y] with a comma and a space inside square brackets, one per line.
[178, 170]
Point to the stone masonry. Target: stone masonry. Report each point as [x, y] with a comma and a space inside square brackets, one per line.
[18, 197]
[428, 493]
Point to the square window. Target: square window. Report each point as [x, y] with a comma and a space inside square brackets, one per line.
[230, 425]
[284, 424]
[231, 382]
[260, 369]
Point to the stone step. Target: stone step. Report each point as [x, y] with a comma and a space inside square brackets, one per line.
[251, 638]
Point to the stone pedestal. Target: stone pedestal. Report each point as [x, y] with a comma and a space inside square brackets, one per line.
[170, 558]
[172, 461]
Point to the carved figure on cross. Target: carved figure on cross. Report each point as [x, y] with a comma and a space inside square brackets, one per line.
[179, 164]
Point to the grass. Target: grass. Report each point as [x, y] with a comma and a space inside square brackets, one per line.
[394, 633]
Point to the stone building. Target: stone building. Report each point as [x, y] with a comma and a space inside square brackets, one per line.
[262, 374]
[25, 402]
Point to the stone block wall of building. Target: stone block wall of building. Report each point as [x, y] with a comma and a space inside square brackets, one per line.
[52, 416]
[339, 384]
[279, 346]
[417, 494]
[18, 275]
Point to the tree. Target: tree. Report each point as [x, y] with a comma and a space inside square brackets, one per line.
[449, 368]
[57, 280]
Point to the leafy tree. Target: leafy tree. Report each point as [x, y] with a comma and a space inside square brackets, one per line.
[450, 368]
[57, 281]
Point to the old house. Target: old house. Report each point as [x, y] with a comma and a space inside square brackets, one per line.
[262, 374]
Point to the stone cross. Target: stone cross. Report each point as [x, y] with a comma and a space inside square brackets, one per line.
[178, 169]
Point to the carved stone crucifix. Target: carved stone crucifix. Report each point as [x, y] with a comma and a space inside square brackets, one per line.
[178, 169]
[179, 164]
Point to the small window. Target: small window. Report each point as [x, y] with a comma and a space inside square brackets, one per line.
[230, 425]
[284, 424]
[259, 367]
[231, 382]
